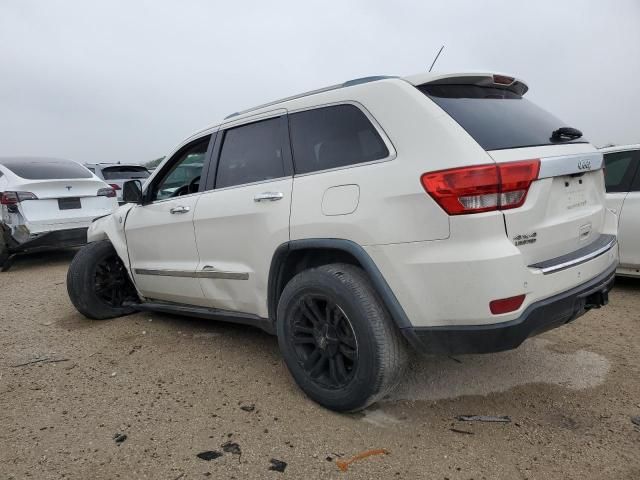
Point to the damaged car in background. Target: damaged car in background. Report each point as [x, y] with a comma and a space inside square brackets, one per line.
[47, 203]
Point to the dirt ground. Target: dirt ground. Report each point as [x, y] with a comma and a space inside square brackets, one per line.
[176, 387]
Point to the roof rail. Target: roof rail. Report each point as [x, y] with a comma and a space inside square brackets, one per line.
[348, 83]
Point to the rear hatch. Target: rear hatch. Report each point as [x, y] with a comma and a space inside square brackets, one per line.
[564, 210]
[63, 203]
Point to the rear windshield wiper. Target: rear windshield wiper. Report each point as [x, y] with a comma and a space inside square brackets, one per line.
[565, 133]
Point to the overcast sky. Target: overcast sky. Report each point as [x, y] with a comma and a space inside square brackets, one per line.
[126, 80]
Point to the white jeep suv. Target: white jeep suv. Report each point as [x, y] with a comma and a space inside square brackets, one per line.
[444, 212]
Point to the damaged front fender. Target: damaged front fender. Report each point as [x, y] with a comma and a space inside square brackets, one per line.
[111, 227]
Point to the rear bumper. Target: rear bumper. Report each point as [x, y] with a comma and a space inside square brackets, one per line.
[539, 317]
[57, 239]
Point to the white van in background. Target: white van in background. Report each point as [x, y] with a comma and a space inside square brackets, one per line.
[48, 203]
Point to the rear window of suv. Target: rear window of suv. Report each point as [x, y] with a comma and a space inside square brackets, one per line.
[496, 118]
[31, 169]
[124, 173]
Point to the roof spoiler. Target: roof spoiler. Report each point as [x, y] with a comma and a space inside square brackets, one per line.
[494, 80]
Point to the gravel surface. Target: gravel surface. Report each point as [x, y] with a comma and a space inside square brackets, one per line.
[164, 397]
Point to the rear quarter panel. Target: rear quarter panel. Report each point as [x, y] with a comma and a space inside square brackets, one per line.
[392, 207]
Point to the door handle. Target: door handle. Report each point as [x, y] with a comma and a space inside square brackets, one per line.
[268, 196]
[180, 209]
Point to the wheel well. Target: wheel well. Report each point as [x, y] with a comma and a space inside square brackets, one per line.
[297, 255]
[293, 262]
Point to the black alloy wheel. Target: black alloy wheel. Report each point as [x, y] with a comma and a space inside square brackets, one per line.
[111, 283]
[325, 342]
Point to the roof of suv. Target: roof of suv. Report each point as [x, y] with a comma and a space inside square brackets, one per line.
[496, 80]
[468, 78]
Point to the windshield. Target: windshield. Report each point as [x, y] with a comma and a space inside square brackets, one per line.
[124, 173]
[497, 118]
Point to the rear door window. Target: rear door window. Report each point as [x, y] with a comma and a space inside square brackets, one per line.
[124, 173]
[332, 137]
[251, 153]
[496, 118]
[44, 169]
[620, 169]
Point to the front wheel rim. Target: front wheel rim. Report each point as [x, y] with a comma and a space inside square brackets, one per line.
[324, 341]
[111, 284]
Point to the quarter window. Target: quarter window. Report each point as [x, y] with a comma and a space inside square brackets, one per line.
[251, 153]
[332, 137]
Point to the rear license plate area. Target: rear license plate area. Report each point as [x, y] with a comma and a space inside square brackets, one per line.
[575, 192]
[69, 203]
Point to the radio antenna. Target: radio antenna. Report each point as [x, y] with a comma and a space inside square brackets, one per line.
[436, 59]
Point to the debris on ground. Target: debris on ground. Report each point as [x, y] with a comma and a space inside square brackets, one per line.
[209, 455]
[248, 408]
[343, 465]
[457, 430]
[120, 437]
[277, 465]
[484, 418]
[41, 360]
[233, 448]
[636, 421]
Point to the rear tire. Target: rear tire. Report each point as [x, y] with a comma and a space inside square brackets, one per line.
[337, 339]
[98, 283]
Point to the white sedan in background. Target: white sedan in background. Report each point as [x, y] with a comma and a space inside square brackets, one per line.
[48, 203]
[622, 179]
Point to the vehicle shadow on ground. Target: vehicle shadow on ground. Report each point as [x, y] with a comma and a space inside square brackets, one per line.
[439, 377]
[428, 378]
[237, 335]
[627, 284]
[30, 261]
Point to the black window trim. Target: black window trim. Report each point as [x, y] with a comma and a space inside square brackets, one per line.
[383, 135]
[235, 123]
[158, 174]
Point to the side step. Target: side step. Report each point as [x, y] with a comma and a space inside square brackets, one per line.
[207, 313]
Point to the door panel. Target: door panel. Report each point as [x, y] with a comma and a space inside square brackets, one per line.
[160, 235]
[162, 250]
[237, 234]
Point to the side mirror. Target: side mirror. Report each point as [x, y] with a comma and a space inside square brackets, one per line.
[132, 191]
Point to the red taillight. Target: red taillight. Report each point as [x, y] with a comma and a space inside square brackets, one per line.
[503, 80]
[481, 188]
[106, 192]
[506, 305]
[11, 198]
[115, 186]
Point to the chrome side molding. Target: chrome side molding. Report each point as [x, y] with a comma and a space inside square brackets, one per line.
[204, 273]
